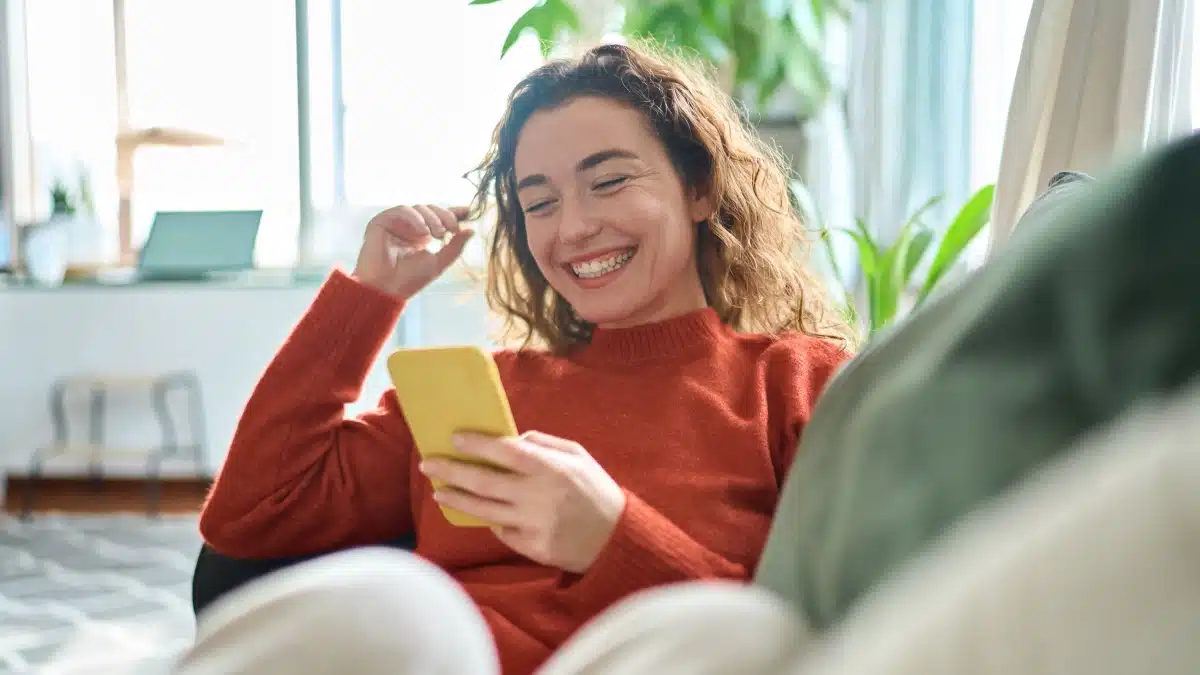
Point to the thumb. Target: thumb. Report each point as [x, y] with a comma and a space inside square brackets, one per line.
[453, 248]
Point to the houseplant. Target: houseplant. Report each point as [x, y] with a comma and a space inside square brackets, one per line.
[759, 45]
[896, 276]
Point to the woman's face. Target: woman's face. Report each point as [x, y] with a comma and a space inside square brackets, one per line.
[607, 218]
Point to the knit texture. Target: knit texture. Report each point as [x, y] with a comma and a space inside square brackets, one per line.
[698, 424]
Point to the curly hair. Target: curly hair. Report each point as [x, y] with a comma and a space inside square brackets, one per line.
[750, 251]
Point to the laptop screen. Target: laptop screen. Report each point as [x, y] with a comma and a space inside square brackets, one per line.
[200, 241]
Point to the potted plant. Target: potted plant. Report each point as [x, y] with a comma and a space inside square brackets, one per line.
[897, 276]
[759, 46]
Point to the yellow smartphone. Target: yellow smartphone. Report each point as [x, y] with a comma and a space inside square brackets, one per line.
[444, 390]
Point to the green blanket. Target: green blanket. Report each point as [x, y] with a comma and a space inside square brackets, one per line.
[1089, 309]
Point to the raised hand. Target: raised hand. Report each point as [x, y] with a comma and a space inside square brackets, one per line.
[395, 256]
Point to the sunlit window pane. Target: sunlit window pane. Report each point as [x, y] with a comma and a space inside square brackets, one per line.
[424, 87]
[225, 68]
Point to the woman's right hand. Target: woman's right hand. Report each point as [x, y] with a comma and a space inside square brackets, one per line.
[395, 257]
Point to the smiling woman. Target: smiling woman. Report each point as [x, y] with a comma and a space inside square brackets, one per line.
[638, 164]
[645, 251]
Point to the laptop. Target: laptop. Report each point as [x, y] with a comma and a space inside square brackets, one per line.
[196, 245]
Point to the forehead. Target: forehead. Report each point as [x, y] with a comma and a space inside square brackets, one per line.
[554, 139]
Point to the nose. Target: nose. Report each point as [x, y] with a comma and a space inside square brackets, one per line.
[576, 224]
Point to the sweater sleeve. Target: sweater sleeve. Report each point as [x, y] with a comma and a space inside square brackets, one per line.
[799, 370]
[301, 477]
[646, 549]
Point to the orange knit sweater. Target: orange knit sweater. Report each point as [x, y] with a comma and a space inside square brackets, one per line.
[696, 422]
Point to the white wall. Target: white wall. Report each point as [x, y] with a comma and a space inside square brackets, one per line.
[226, 335]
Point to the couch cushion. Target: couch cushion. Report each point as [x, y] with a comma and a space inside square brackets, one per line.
[1091, 309]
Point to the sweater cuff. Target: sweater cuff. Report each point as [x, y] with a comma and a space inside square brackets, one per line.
[645, 550]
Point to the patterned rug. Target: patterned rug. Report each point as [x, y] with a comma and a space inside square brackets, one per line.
[95, 594]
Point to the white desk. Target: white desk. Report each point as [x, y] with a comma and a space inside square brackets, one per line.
[225, 333]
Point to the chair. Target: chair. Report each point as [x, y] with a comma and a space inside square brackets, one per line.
[96, 448]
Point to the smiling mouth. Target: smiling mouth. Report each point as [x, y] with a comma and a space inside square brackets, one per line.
[598, 267]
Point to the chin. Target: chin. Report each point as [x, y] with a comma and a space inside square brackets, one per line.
[613, 309]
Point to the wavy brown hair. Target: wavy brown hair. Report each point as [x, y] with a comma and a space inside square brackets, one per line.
[751, 250]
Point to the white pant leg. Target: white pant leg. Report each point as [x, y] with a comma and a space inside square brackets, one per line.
[361, 612]
[1092, 566]
[701, 628]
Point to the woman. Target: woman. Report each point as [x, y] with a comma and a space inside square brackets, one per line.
[673, 348]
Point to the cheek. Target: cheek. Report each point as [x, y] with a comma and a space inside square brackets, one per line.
[640, 213]
[540, 240]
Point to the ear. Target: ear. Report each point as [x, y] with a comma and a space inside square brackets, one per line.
[700, 206]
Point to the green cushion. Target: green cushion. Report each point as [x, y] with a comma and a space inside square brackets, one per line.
[1093, 307]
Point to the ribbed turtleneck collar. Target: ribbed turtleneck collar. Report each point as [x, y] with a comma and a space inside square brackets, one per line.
[676, 337]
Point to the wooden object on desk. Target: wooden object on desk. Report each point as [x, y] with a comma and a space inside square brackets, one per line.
[128, 141]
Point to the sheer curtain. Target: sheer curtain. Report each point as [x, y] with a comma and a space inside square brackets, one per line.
[1097, 79]
[909, 109]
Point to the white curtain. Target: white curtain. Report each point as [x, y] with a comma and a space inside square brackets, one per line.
[902, 135]
[1097, 80]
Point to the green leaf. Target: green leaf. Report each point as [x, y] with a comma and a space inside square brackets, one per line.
[916, 251]
[483, 2]
[808, 18]
[776, 9]
[745, 45]
[915, 218]
[962, 231]
[868, 254]
[546, 20]
[668, 24]
[888, 282]
[530, 19]
[771, 83]
[564, 14]
[806, 72]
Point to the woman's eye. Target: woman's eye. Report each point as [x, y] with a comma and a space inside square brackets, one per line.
[538, 206]
[610, 183]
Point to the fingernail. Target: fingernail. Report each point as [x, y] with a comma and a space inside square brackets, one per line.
[437, 496]
[458, 439]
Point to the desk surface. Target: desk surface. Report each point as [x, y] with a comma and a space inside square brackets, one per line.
[278, 278]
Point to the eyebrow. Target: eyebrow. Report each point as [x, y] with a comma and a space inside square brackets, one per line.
[590, 162]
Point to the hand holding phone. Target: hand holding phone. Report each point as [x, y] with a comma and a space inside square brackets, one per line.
[446, 390]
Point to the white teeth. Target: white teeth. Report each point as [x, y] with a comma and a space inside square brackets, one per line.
[602, 266]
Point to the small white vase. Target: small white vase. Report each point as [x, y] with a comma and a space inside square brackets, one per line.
[46, 253]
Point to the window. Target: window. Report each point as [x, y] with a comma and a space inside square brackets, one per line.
[225, 68]
[189, 67]
[422, 86]
[71, 69]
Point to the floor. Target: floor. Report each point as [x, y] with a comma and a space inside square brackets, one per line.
[87, 594]
[112, 495]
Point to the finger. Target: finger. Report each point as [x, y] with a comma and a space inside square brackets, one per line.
[461, 213]
[446, 217]
[477, 479]
[494, 513]
[511, 453]
[552, 442]
[404, 223]
[452, 249]
[432, 221]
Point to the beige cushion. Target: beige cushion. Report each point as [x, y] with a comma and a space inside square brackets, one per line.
[1092, 566]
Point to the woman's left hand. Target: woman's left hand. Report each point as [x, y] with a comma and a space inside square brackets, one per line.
[549, 500]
